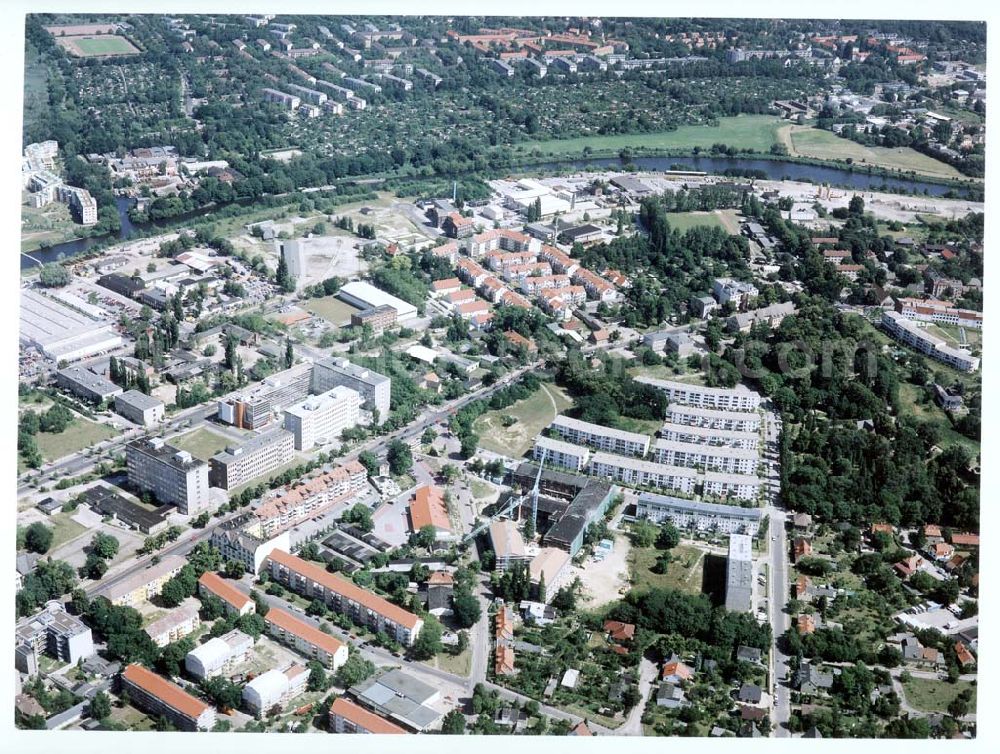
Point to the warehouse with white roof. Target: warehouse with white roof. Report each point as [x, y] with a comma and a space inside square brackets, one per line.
[61, 333]
[365, 296]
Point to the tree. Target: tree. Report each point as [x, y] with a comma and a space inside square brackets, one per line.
[318, 680]
[104, 546]
[289, 354]
[53, 275]
[100, 706]
[355, 670]
[453, 723]
[234, 569]
[38, 538]
[465, 608]
[428, 641]
[224, 693]
[94, 567]
[644, 533]
[173, 593]
[425, 537]
[400, 457]
[668, 537]
[283, 277]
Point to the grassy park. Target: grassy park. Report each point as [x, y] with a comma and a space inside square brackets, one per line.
[684, 572]
[935, 696]
[81, 433]
[532, 415]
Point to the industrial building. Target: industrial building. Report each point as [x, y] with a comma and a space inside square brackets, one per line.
[259, 455]
[400, 697]
[62, 333]
[140, 408]
[589, 505]
[294, 254]
[365, 295]
[171, 475]
[107, 502]
[378, 318]
[320, 419]
[739, 574]
[86, 384]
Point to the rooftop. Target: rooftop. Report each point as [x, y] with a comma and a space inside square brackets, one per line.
[288, 622]
[169, 693]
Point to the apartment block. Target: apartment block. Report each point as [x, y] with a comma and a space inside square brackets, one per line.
[304, 499]
[305, 638]
[171, 475]
[288, 101]
[320, 419]
[740, 293]
[375, 388]
[738, 398]
[308, 95]
[219, 655]
[603, 438]
[343, 596]
[739, 486]
[699, 516]
[146, 583]
[255, 407]
[910, 333]
[716, 457]
[562, 454]
[243, 539]
[637, 472]
[939, 312]
[53, 631]
[708, 436]
[157, 696]
[708, 418]
[260, 455]
[739, 574]
[274, 687]
[139, 408]
[236, 602]
[175, 625]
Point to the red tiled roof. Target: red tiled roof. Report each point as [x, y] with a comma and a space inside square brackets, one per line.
[678, 669]
[619, 631]
[167, 692]
[428, 509]
[303, 630]
[965, 540]
[362, 718]
[222, 589]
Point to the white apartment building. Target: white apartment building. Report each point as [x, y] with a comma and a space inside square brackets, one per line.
[739, 486]
[709, 436]
[939, 312]
[219, 655]
[173, 476]
[603, 438]
[708, 418]
[727, 289]
[274, 687]
[309, 95]
[715, 457]
[739, 398]
[915, 336]
[259, 455]
[288, 101]
[562, 454]
[175, 625]
[636, 472]
[692, 514]
[321, 418]
[739, 574]
[139, 408]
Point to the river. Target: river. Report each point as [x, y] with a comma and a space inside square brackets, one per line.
[775, 170]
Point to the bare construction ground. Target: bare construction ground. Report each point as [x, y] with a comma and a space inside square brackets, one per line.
[604, 580]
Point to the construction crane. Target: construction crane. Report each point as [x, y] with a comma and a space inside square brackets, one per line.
[534, 492]
[510, 505]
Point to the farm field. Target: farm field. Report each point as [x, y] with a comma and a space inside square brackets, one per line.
[97, 45]
[684, 572]
[533, 414]
[331, 308]
[81, 433]
[201, 443]
[823, 145]
[757, 132]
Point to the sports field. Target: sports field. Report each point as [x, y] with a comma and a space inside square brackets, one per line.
[97, 46]
[824, 145]
[757, 132]
[330, 308]
[684, 221]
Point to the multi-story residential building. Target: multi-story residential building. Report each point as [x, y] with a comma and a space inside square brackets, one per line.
[340, 92]
[637, 472]
[740, 293]
[302, 500]
[709, 418]
[603, 438]
[362, 84]
[309, 95]
[348, 717]
[274, 687]
[343, 596]
[157, 696]
[507, 544]
[259, 455]
[139, 408]
[716, 457]
[374, 388]
[915, 336]
[243, 539]
[708, 436]
[597, 287]
[939, 312]
[700, 516]
[219, 655]
[321, 418]
[288, 101]
[253, 408]
[739, 574]
[235, 601]
[306, 638]
[739, 486]
[171, 475]
[175, 625]
[739, 398]
[54, 631]
[559, 453]
[561, 261]
[142, 585]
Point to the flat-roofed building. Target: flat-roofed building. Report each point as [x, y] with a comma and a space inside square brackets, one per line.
[257, 456]
[603, 438]
[365, 295]
[157, 696]
[559, 453]
[548, 571]
[739, 574]
[288, 101]
[379, 318]
[87, 385]
[140, 408]
[53, 631]
[343, 596]
[106, 502]
[587, 506]
[62, 333]
[715, 457]
[306, 638]
[640, 473]
[306, 94]
[910, 333]
[275, 687]
[256, 406]
[401, 697]
[739, 486]
[507, 544]
[235, 601]
[348, 717]
[320, 419]
[375, 388]
[739, 398]
[143, 584]
[736, 421]
[708, 436]
[175, 625]
[697, 515]
[218, 655]
[171, 475]
[940, 312]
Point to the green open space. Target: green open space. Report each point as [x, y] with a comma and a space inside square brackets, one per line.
[105, 45]
[460, 664]
[330, 308]
[201, 443]
[824, 145]
[532, 415]
[81, 433]
[684, 572]
[684, 221]
[64, 528]
[756, 132]
[935, 696]
[910, 398]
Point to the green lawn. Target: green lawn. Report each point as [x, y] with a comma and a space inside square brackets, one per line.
[909, 398]
[825, 145]
[642, 426]
[64, 529]
[81, 433]
[533, 414]
[757, 132]
[201, 443]
[683, 221]
[460, 664]
[108, 45]
[935, 696]
[481, 490]
[331, 308]
[684, 572]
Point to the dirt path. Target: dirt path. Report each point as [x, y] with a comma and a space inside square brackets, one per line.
[728, 218]
[784, 134]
